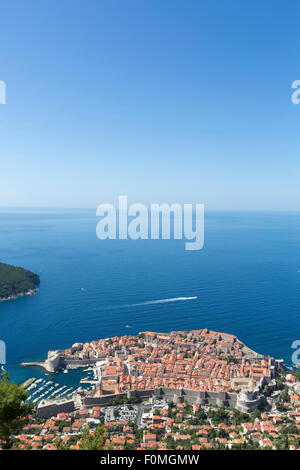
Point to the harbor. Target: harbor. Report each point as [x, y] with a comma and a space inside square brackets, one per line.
[58, 387]
[41, 390]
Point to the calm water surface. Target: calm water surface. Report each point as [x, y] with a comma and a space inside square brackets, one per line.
[247, 280]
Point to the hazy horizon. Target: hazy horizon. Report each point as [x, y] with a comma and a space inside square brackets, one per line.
[93, 209]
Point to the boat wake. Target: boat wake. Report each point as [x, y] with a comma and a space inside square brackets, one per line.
[162, 301]
[149, 302]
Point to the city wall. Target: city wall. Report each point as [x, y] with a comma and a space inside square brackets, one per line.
[52, 409]
[244, 401]
[170, 394]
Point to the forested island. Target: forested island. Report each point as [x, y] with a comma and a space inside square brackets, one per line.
[16, 282]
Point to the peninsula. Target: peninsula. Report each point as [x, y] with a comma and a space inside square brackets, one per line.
[16, 282]
[194, 366]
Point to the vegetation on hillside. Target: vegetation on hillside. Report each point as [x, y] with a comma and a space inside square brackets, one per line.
[15, 281]
[93, 440]
[14, 412]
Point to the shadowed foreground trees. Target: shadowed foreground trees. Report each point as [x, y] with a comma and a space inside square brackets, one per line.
[14, 412]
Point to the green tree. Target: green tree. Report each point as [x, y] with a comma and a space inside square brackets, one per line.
[219, 415]
[14, 412]
[60, 445]
[296, 373]
[95, 440]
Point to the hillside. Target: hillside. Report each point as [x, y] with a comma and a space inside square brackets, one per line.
[15, 282]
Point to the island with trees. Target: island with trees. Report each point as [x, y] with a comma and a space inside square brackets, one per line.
[16, 282]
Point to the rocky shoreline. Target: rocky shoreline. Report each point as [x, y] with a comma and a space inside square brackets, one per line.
[28, 293]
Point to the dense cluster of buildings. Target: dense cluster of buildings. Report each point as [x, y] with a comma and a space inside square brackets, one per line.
[195, 360]
[182, 390]
[165, 425]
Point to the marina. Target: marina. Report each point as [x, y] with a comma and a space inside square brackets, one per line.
[42, 389]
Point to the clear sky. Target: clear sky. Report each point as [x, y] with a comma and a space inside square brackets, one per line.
[159, 100]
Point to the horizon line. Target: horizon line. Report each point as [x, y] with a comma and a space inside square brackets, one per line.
[93, 208]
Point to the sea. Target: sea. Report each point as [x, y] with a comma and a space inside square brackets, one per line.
[245, 281]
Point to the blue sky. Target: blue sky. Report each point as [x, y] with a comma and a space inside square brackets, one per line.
[162, 101]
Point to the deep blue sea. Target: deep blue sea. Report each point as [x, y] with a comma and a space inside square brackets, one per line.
[246, 278]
